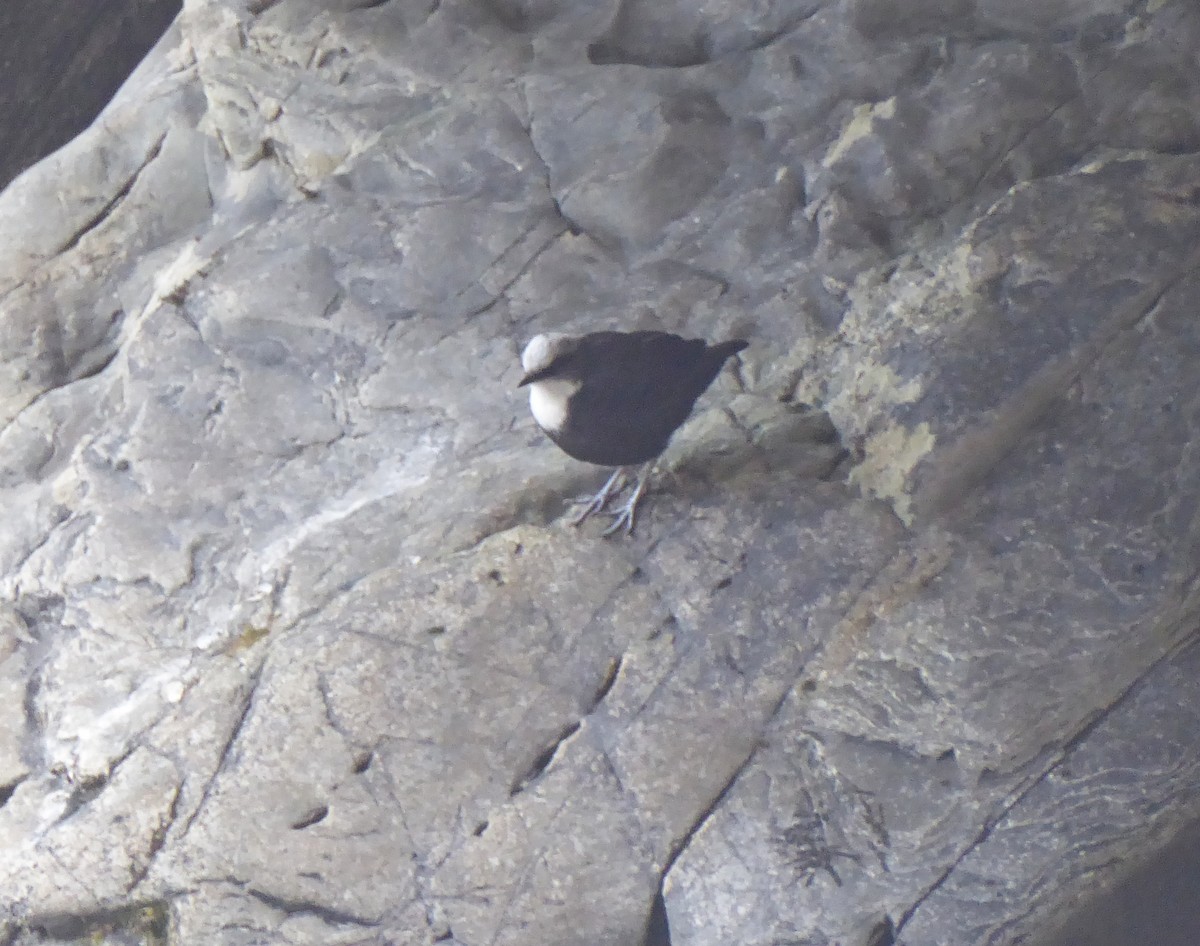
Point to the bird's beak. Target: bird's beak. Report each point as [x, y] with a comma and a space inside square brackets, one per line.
[539, 375]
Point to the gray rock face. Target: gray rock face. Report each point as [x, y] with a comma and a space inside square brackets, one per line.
[295, 644]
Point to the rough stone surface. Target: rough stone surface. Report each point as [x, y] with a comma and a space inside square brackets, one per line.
[296, 646]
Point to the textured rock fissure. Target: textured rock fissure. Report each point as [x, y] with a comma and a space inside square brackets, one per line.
[508, 283]
[6, 791]
[330, 713]
[736, 421]
[87, 790]
[1060, 758]
[158, 840]
[543, 760]
[90, 372]
[982, 835]
[107, 210]
[606, 685]
[882, 933]
[227, 749]
[59, 521]
[339, 593]
[707, 812]
[657, 925]
[424, 869]
[33, 748]
[569, 224]
[658, 928]
[987, 172]
[330, 915]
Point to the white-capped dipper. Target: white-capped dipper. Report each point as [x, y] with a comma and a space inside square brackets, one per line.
[615, 399]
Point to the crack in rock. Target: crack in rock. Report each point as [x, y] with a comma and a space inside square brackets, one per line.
[327, 914]
[110, 207]
[1018, 796]
[227, 749]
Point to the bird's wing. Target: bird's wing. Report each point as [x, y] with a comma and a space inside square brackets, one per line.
[649, 375]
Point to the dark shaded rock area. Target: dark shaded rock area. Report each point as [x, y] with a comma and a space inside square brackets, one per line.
[297, 645]
[60, 63]
[1155, 903]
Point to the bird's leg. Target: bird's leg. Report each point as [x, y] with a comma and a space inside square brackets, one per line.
[596, 504]
[625, 516]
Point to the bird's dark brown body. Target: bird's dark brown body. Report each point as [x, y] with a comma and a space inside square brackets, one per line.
[632, 391]
[615, 398]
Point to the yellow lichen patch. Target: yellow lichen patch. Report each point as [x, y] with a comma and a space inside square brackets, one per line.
[879, 384]
[250, 636]
[889, 457]
[861, 125]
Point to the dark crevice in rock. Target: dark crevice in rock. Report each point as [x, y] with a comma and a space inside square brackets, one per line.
[158, 840]
[308, 908]
[227, 749]
[102, 360]
[698, 822]
[107, 210]
[606, 685]
[983, 834]
[331, 716]
[989, 172]
[87, 790]
[611, 52]
[882, 933]
[543, 760]
[84, 793]
[658, 929]
[521, 270]
[33, 751]
[62, 515]
[6, 791]
[547, 177]
[314, 815]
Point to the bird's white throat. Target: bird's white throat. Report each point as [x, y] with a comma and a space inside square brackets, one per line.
[548, 402]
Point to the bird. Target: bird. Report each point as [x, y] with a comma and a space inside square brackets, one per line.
[616, 398]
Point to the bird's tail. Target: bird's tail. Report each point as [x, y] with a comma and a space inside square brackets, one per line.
[728, 349]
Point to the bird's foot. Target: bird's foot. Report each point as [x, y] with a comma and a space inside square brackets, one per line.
[626, 516]
[598, 503]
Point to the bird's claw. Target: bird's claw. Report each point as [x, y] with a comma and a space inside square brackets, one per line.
[625, 517]
[599, 502]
